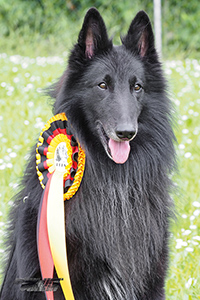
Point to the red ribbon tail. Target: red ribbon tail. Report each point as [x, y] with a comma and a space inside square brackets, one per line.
[44, 252]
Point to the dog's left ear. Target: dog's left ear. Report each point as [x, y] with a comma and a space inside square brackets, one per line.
[140, 37]
[93, 36]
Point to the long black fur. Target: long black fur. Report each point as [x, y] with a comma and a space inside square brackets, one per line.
[117, 224]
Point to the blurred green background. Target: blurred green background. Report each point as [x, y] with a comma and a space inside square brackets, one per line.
[25, 25]
[35, 39]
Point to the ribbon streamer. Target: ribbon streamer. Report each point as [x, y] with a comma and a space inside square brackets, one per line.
[44, 252]
[60, 163]
[56, 231]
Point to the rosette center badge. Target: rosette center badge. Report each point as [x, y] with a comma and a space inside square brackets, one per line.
[61, 156]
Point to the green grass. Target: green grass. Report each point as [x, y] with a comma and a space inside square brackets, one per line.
[24, 110]
[184, 277]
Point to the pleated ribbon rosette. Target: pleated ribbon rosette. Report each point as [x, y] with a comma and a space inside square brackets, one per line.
[60, 162]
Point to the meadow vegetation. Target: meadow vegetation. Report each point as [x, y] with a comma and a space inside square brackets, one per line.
[33, 58]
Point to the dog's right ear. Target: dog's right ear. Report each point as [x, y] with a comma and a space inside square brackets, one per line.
[93, 38]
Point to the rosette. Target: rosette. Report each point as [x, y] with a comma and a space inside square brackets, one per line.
[60, 162]
[57, 148]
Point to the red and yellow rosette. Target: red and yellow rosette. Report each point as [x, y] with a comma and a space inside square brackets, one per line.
[60, 162]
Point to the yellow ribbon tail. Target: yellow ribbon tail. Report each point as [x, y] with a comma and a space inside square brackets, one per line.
[56, 232]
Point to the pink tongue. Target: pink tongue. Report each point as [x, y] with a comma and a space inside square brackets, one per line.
[119, 151]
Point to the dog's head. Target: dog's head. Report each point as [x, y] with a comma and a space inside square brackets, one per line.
[104, 89]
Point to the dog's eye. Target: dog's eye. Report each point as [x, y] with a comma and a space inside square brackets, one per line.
[103, 86]
[137, 87]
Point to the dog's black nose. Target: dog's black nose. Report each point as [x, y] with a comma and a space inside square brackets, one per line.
[125, 135]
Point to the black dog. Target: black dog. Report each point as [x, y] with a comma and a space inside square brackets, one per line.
[117, 224]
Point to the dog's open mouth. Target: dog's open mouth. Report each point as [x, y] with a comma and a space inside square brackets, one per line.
[118, 151]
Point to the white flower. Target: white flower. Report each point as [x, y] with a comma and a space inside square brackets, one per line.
[185, 131]
[184, 117]
[39, 90]
[181, 146]
[190, 111]
[24, 65]
[188, 283]
[194, 243]
[16, 80]
[26, 122]
[30, 86]
[196, 204]
[39, 125]
[13, 185]
[180, 244]
[196, 212]
[13, 154]
[177, 102]
[30, 104]
[189, 249]
[33, 78]
[9, 165]
[189, 141]
[188, 155]
[187, 232]
[3, 84]
[196, 131]
[184, 216]
[7, 158]
[168, 71]
[193, 227]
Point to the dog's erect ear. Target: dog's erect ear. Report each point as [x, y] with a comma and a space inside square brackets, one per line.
[140, 37]
[93, 36]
